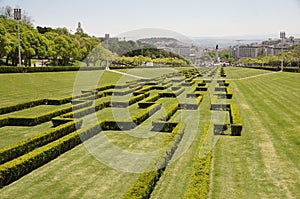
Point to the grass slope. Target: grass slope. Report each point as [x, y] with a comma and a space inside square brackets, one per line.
[264, 161]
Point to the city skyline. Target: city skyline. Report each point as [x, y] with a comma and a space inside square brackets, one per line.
[193, 18]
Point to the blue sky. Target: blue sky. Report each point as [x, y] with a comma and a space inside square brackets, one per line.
[188, 17]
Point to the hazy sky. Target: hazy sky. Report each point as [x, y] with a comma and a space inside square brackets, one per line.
[188, 17]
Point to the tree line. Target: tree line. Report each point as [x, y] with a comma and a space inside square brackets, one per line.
[291, 58]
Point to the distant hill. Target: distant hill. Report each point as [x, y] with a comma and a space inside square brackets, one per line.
[164, 42]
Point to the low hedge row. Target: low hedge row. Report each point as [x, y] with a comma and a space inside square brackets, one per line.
[169, 112]
[105, 87]
[220, 107]
[57, 121]
[117, 125]
[172, 94]
[145, 104]
[202, 88]
[21, 106]
[220, 89]
[152, 98]
[223, 83]
[235, 120]
[15, 169]
[199, 182]
[145, 114]
[13, 151]
[131, 101]
[160, 126]
[38, 119]
[59, 101]
[193, 95]
[191, 106]
[4, 122]
[88, 110]
[144, 185]
[142, 90]
[122, 92]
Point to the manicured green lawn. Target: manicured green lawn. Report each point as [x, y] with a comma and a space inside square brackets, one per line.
[262, 163]
[17, 88]
[12, 134]
[265, 161]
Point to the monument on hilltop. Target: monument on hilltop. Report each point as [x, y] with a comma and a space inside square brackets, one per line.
[79, 29]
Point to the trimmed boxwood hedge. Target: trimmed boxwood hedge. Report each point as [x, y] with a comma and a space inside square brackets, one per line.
[160, 126]
[172, 94]
[15, 169]
[144, 185]
[21, 106]
[191, 106]
[131, 101]
[13, 151]
[165, 116]
[38, 119]
[145, 114]
[235, 120]
[199, 181]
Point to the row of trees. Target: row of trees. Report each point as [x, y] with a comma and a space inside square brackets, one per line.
[290, 58]
[58, 45]
[61, 48]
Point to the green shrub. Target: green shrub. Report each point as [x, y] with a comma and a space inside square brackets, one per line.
[32, 121]
[172, 94]
[15, 169]
[199, 181]
[131, 101]
[220, 107]
[21, 106]
[169, 112]
[145, 104]
[160, 126]
[235, 120]
[13, 151]
[146, 181]
[145, 114]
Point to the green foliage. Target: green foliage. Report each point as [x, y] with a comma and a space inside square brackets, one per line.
[56, 44]
[199, 182]
[13, 151]
[236, 120]
[169, 112]
[20, 106]
[13, 170]
[146, 181]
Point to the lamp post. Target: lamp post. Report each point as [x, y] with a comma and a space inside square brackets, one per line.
[282, 36]
[106, 38]
[18, 16]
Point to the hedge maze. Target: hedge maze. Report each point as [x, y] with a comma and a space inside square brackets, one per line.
[138, 100]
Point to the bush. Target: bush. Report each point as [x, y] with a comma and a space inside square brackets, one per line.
[15, 169]
[21, 106]
[172, 94]
[169, 112]
[191, 106]
[160, 126]
[131, 101]
[235, 120]
[145, 114]
[32, 121]
[144, 185]
[13, 151]
[199, 182]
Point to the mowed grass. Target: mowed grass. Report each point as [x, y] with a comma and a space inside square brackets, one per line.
[238, 72]
[22, 87]
[265, 161]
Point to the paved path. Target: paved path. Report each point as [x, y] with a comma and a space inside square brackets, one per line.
[250, 77]
[135, 76]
